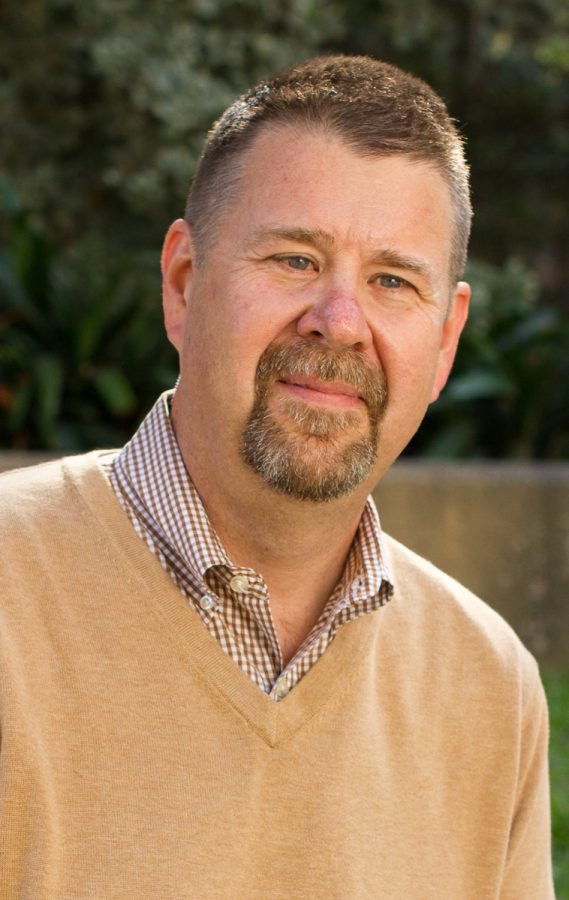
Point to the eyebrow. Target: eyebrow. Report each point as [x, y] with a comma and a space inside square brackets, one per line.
[318, 237]
[315, 236]
[396, 260]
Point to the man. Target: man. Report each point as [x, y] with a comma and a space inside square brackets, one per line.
[220, 679]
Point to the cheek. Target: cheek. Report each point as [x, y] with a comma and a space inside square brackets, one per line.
[409, 355]
[409, 395]
[222, 346]
[408, 346]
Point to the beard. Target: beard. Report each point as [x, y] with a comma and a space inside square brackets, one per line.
[310, 459]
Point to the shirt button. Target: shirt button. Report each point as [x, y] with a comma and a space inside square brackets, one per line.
[239, 584]
[207, 601]
[282, 688]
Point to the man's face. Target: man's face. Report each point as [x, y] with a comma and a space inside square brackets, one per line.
[315, 332]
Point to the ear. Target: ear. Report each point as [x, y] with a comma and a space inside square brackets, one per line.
[452, 328]
[177, 270]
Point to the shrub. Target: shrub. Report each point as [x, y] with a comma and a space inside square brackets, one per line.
[508, 395]
[82, 351]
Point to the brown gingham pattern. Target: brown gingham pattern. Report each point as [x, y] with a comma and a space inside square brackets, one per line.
[154, 488]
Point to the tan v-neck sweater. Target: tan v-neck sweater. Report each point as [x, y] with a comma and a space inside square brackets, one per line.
[138, 761]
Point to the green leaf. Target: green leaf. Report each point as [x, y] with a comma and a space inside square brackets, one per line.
[478, 383]
[48, 377]
[114, 389]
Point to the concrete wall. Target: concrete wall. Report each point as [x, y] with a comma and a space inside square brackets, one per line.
[500, 529]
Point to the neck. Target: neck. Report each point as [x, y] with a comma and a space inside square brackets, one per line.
[280, 537]
[299, 551]
[299, 547]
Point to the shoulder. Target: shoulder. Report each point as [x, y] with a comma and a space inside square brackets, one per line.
[33, 485]
[26, 494]
[60, 524]
[48, 494]
[19, 483]
[419, 583]
[453, 621]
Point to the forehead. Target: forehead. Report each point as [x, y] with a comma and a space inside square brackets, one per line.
[296, 178]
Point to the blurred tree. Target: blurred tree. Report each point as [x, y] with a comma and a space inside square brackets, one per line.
[103, 109]
[503, 68]
[82, 349]
[508, 394]
[105, 104]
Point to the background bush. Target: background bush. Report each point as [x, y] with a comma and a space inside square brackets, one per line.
[103, 109]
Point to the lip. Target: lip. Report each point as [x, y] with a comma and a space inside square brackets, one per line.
[313, 390]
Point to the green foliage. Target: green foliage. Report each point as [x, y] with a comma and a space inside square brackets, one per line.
[105, 105]
[82, 352]
[508, 395]
[557, 689]
[503, 69]
[108, 113]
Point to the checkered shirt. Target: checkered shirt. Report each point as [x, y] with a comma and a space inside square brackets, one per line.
[155, 490]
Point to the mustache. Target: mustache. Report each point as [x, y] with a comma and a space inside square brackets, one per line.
[308, 358]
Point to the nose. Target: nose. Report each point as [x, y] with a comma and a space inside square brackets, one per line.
[336, 317]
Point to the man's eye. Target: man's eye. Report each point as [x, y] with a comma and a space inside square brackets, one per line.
[390, 281]
[300, 263]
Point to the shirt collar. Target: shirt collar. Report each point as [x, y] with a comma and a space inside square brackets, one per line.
[152, 468]
[152, 473]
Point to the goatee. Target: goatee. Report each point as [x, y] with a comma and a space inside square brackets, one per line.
[311, 460]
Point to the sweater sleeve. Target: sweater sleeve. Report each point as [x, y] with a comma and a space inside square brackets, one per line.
[528, 871]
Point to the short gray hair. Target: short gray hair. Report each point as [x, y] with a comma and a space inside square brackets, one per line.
[376, 108]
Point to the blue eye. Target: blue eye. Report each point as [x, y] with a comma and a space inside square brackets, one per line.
[301, 263]
[391, 281]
